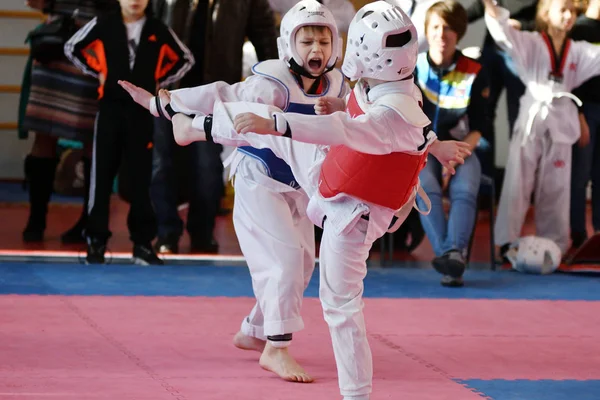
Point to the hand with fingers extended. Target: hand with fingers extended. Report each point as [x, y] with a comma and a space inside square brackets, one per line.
[250, 122]
[139, 95]
[144, 97]
[329, 105]
[450, 153]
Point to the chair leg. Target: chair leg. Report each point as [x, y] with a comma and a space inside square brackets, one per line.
[390, 246]
[382, 250]
[492, 219]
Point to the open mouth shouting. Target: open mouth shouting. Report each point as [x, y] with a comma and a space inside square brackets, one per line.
[315, 64]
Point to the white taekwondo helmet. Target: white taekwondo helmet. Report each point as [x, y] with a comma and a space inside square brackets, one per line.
[307, 12]
[534, 255]
[382, 43]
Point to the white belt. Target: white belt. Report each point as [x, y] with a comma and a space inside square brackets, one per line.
[538, 106]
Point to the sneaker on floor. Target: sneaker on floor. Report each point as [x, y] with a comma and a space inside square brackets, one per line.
[455, 263]
[167, 245]
[95, 251]
[143, 254]
[449, 281]
[209, 246]
[439, 263]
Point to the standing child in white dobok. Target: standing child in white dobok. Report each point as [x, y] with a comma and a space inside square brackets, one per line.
[361, 173]
[269, 213]
[551, 65]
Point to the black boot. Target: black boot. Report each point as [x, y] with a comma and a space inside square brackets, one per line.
[39, 173]
[76, 233]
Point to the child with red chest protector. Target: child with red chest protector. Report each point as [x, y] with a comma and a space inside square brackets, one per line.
[360, 168]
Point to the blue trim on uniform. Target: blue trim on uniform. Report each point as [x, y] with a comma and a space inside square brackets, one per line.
[278, 169]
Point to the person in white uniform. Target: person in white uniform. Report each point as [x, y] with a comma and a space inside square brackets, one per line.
[539, 159]
[359, 167]
[269, 214]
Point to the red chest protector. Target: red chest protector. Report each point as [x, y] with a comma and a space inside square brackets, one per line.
[386, 180]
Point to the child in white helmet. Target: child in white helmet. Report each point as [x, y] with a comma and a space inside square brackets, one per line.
[269, 213]
[362, 174]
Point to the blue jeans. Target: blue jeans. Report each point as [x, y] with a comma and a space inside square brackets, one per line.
[453, 233]
[586, 166]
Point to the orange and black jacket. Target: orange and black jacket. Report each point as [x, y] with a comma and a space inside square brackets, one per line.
[100, 48]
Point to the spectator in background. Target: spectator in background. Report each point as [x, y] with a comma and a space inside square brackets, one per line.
[62, 103]
[126, 45]
[215, 32]
[540, 152]
[455, 98]
[500, 66]
[586, 153]
[416, 10]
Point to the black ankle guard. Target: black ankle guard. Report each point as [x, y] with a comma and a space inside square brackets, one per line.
[158, 106]
[208, 128]
[286, 337]
[170, 110]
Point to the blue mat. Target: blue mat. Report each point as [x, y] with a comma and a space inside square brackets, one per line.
[521, 389]
[130, 280]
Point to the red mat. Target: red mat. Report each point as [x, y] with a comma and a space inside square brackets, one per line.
[180, 348]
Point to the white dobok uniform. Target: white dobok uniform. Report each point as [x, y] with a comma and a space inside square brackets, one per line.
[393, 122]
[539, 156]
[269, 213]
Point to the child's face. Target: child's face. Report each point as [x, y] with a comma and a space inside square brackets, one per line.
[561, 15]
[440, 37]
[314, 48]
[133, 9]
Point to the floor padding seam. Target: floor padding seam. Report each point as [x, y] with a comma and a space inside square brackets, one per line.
[386, 342]
[129, 354]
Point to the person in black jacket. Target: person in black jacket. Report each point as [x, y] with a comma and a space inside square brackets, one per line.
[135, 47]
[586, 153]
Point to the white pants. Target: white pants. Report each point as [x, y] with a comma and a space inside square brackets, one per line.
[278, 242]
[342, 265]
[543, 166]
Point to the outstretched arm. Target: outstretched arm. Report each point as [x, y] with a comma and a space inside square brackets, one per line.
[200, 100]
[382, 131]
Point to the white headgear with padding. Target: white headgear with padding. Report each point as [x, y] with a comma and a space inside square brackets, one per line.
[382, 44]
[305, 13]
[534, 255]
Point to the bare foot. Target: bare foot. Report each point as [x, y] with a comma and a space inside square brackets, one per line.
[246, 342]
[283, 364]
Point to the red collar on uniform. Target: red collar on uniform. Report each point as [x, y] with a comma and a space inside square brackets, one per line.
[557, 61]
